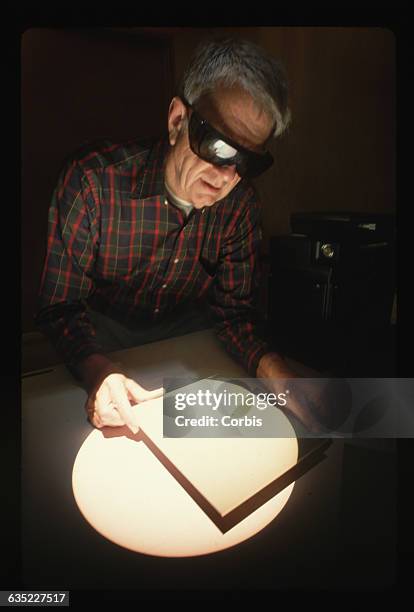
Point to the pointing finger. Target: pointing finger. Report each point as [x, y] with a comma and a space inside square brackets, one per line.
[139, 393]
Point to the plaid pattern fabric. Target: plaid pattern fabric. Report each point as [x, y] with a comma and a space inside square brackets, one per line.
[117, 244]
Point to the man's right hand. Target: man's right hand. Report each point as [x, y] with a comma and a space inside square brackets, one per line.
[110, 393]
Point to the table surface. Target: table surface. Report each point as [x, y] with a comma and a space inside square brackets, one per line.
[301, 547]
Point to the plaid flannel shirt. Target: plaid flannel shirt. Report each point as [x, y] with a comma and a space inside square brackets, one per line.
[117, 244]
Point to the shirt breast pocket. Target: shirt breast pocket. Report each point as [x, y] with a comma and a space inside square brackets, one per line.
[204, 264]
[204, 275]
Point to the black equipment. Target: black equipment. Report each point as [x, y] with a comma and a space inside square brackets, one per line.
[331, 292]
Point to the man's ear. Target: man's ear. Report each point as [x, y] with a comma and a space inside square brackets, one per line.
[177, 113]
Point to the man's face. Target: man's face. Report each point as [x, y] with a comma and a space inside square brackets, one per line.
[233, 113]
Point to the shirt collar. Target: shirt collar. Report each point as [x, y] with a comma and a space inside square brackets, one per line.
[151, 181]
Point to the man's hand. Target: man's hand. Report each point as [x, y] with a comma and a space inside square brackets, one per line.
[321, 404]
[111, 393]
[274, 371]
[273, 365]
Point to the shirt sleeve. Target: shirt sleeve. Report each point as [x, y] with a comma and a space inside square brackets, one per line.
[67, 278]
[234, 296]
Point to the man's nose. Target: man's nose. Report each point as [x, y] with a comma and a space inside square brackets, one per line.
[226, 173]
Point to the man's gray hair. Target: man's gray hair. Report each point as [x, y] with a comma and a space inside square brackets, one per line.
[239, 62]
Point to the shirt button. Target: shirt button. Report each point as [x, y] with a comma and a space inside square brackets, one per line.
[176, 260]
[157, 310]
[165, 202]
[163, 287]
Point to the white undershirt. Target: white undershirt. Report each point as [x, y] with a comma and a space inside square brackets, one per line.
[186, 207]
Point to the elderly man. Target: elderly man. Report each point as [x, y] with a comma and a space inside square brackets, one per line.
[139, 232]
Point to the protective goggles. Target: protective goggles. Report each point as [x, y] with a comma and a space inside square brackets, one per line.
[215, 148]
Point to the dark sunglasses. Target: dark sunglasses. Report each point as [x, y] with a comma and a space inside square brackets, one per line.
[213, 147]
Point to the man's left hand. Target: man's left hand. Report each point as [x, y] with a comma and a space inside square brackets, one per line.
[321, 404]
